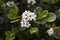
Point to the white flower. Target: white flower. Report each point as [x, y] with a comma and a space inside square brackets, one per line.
[26, 17]
[31, 1]
[25, 24]
[50, 32]
[33, 16]
[10, 3]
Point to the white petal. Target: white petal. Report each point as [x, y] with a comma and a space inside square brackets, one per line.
[29, 1]
[50, 31]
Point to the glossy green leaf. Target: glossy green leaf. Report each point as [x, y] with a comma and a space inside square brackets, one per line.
[34, 30]
[44, 13]
[51, 17]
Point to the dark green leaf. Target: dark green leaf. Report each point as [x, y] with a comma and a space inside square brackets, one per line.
[57, 32]
[37, 11]
[12, 14]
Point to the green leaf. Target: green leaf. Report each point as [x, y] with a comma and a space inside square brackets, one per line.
[37, 11]
[14, 21]
[51, 17]
[10, 38]
[34, 30]
[57, 32]
[40, 14]
[8, 33]
[12, 14]
[44, 13]
[40, 19]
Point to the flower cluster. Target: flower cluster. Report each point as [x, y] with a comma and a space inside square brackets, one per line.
[10, 3]
[50, 32]
[26, 17]
[31, 1]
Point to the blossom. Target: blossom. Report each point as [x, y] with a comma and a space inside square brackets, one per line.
[50, 32]
[10, 3]
[26, 17]
[29, 16]
[31, 1]
[25, 24]
[32, 16]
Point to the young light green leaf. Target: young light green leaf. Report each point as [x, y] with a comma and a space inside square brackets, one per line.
[44, 13]
[9, 33]
[34, 30]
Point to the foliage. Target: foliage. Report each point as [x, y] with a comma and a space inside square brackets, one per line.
[44, 15]
[45, 11]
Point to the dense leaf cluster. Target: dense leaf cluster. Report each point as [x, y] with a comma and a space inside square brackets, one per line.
[48, 15]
